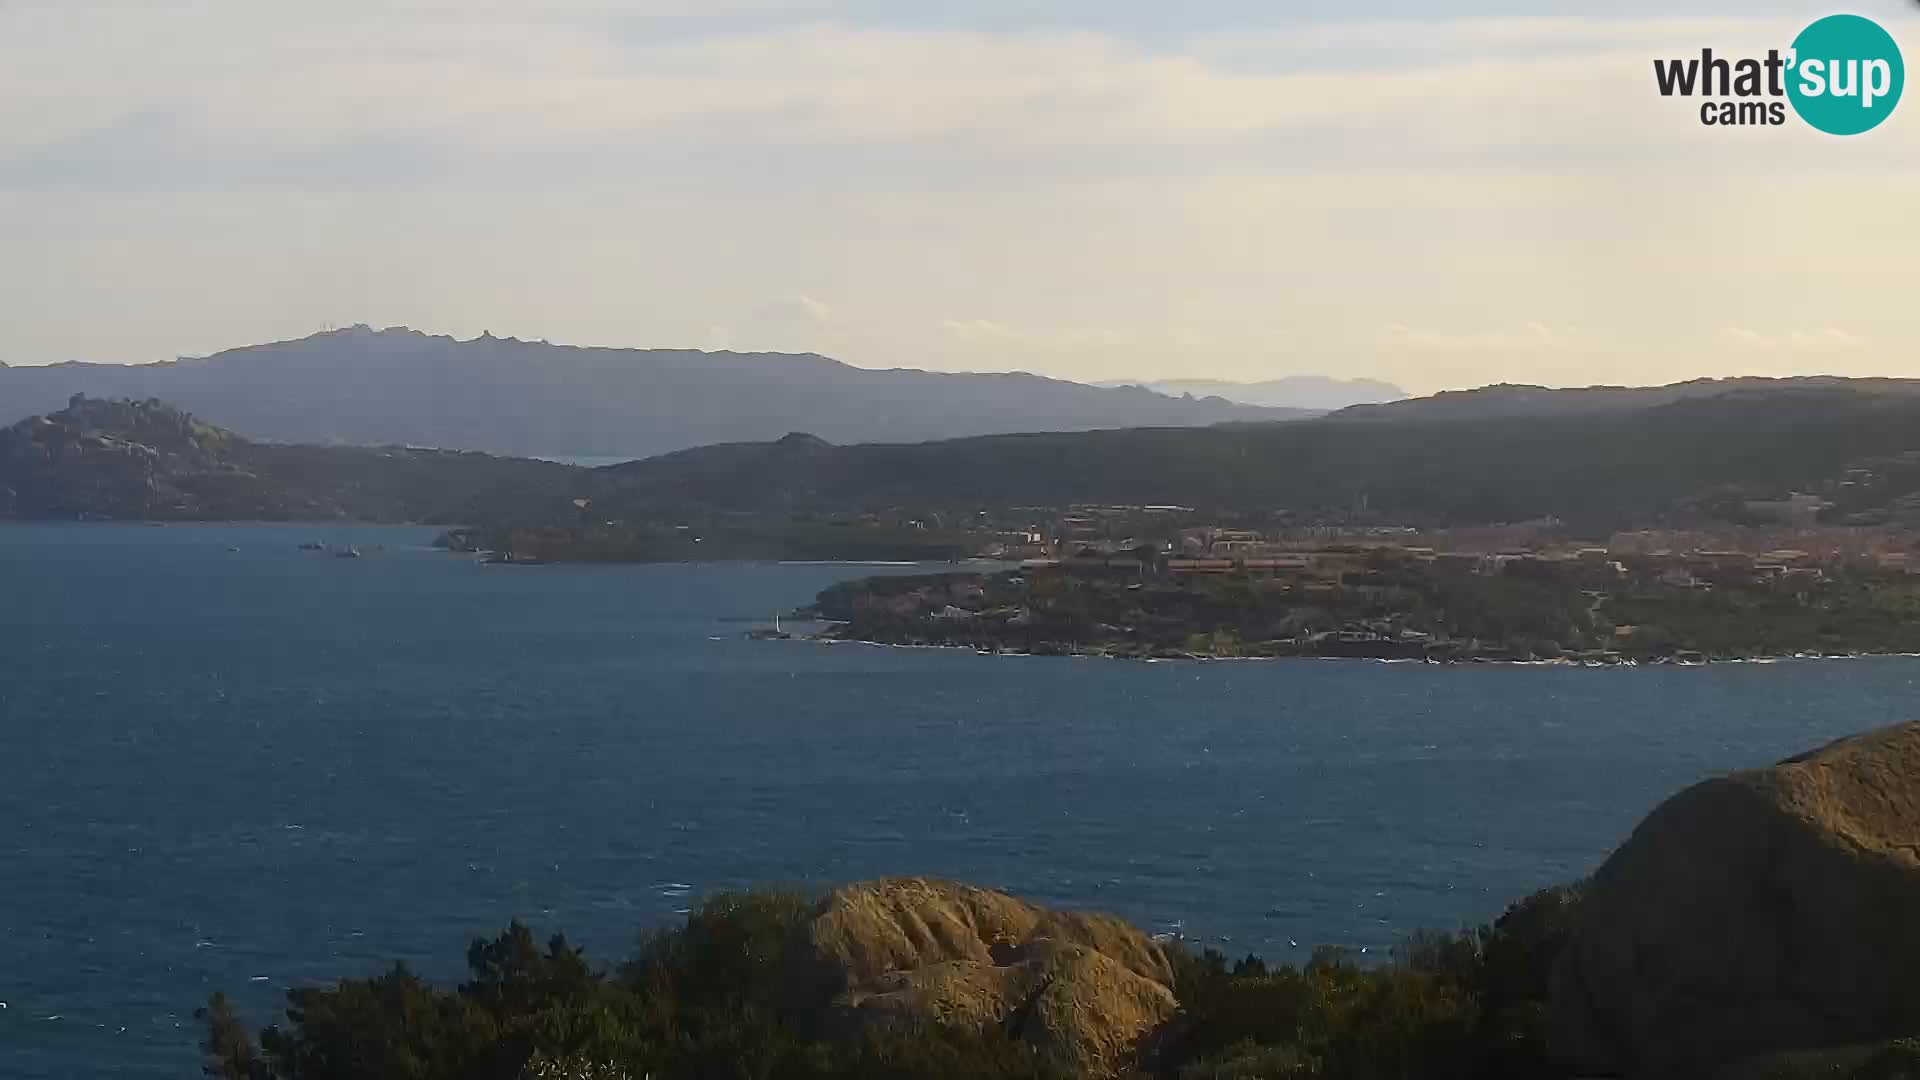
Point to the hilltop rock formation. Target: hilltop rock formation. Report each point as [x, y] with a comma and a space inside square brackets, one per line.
[105, 459]
[147, 460]
[1764, 911]
[1085, 989]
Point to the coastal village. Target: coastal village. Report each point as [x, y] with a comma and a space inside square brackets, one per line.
[1788, 575]
[1789, 542]
[1147, 582]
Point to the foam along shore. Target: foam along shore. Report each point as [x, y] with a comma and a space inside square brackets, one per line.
[1098, 653]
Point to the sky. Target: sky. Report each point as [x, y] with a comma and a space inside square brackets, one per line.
[1439, 195]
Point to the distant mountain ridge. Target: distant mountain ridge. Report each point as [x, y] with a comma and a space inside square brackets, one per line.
[362, 386]
[1318, 392]
[1508, 400]
[1605, 461]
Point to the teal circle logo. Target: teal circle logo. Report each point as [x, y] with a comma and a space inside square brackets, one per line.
[1846, 75]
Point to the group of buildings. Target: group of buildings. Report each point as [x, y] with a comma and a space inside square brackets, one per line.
[1677, 559]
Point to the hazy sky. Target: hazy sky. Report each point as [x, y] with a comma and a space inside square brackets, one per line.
[1439, 195]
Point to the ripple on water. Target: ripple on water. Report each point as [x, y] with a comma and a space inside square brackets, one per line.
[421, 753]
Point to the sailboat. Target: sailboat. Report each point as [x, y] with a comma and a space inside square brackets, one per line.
[761, 633]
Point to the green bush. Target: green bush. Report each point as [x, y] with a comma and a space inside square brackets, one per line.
[1897, 1060]
[542, 1067]
[712, 999]
[701, 1001]
[1470, 1004]
[1252, 1061]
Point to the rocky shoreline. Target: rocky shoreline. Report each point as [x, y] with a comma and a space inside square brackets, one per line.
[1487, 657]
[1399, 609]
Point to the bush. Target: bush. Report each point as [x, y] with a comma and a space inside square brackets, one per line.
[542, 1067]
[1252, 1061]
[729, 953]
[707, 1000]
[1897, 1060]
[700, 1001]
[1467, 1004]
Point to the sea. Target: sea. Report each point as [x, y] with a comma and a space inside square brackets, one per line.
[233, 764]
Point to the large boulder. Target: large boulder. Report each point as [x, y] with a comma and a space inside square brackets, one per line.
[1761, 912]
[1085, 989]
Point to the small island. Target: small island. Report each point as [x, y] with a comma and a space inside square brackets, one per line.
[1592, 605]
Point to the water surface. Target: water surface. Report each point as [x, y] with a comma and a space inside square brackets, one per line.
[249, 768]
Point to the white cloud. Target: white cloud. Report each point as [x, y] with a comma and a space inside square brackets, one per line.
[976, 330]
[1037, 339]
[798, 323]
[115, 89]
[1529, 339]
[1450, 38]
[1822, 339]
[1437, 202]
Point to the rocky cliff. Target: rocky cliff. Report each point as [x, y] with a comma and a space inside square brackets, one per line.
[1083, 989]
[1760, 912]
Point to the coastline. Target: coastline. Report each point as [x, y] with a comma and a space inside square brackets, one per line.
[1397, 609]
[1102, 654]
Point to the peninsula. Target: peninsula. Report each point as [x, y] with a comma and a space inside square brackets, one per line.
[1627, 602]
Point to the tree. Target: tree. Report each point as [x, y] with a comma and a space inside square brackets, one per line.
[512, 975]
[228, 1047]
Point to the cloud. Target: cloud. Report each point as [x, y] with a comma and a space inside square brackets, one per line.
[1528, 339]
[1434, 201]
[989, 332]
[1448, 39]
[221, 92]
[1823, 339]
[977, 330]
[797, 323]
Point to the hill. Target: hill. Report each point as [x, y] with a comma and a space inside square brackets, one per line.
[145, 460]
[532, 398]
[1602, 467]
[1854, 446]
[1751, 915]
[1505, 400]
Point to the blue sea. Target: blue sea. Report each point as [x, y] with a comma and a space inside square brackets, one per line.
[231, 764]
